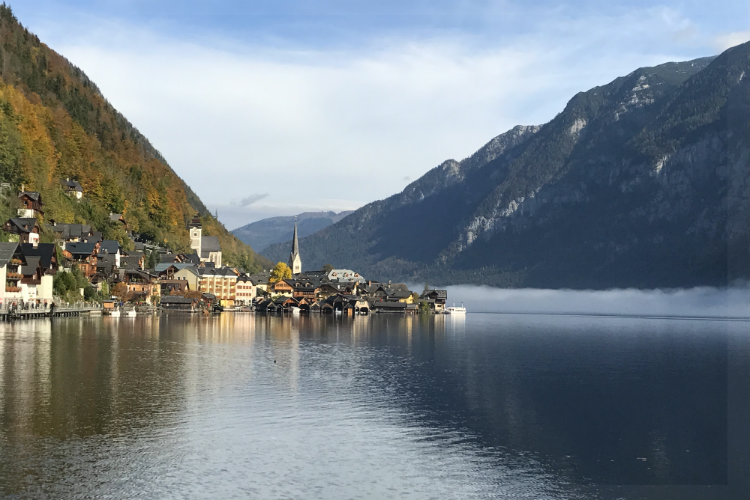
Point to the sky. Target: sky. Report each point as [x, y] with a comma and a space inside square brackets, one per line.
[270, 108]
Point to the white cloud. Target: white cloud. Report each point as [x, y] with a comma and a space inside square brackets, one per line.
[307, 125]
[727, 40]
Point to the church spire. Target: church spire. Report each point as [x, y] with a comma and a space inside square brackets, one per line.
[295, 261]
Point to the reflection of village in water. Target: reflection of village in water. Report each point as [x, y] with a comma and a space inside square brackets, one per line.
[147, 369]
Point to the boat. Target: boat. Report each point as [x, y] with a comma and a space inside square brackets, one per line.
[114, 313]
[130, 313]
[455, 309]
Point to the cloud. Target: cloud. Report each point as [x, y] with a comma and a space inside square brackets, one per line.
[311, 123]
[249, 200]
[727, 40]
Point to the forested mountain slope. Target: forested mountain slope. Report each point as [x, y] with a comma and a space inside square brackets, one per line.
[55, 124]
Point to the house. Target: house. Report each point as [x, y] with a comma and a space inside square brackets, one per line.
[113, 217]
[110, 247]
[38, 267]
[397, 292]
[326, 290]
[221, 282]
[435, 299]
[27, 229]
[133, 261]
[190, 275]
[142, 285]
[10, 273]
[261, 282]
[106, 265]
[245, 291]
[31, 204]
[345, 276]
[281, 287]
[73, 233]
[267, 306]
[72, 188]
[83, 254]
[167, 270]
[304, 288]
[168, 286]
[178, 303]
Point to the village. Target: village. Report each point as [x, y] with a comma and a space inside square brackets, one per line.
[81, 267]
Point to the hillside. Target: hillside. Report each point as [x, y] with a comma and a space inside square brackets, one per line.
[638, 183]
[55, 124]
[260, 234]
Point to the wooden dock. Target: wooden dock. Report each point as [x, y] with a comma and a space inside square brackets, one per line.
[13, 314]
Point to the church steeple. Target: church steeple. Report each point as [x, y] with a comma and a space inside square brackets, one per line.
[295, 261]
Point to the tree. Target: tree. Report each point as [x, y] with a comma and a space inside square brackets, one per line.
[120, 290]
[153, 259]
[280, 272]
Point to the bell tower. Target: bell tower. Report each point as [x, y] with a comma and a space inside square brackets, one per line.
[196, 232]
[295, 261]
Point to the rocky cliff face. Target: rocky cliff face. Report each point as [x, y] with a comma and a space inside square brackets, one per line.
[641, 182]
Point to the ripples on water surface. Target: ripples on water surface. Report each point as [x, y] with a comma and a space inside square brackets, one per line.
[493, 406]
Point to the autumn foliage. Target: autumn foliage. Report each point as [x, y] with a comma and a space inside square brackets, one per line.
[55, 124]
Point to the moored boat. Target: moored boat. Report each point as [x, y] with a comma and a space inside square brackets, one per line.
[455, 310]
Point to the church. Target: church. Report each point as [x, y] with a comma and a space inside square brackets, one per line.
[207, 247]
[295, 261]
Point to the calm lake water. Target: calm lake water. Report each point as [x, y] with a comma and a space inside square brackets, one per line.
[491, 406]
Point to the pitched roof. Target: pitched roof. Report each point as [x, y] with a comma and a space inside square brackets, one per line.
[7, 249]
[22, 224]
[217, 271]
[44, 251]
[437, 293]
[74, 185]
[163, 266]
[130, 262]
[175, 299]
[96, 236]
[210, 244]
[32, 264]
[109, 246]
[81, 248]
[34, 195]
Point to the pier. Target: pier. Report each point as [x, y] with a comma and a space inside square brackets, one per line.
[61, 311]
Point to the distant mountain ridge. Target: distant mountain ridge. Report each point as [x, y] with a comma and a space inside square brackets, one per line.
[641, 182]
[260, 234]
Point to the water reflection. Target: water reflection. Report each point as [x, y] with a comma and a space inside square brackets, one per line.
[385, 406]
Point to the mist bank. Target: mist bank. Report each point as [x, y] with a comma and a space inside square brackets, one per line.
[730, 302]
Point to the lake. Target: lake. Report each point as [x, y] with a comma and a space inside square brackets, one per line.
[386, 406]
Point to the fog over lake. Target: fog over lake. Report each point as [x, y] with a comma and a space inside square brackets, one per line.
[733, 302]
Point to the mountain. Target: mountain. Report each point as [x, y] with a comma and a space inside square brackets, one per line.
[642, 182]
[265, 232]
[55, 124]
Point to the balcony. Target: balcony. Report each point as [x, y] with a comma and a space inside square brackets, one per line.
[12, 289]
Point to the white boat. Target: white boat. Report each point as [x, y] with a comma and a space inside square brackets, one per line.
[115, 313]
[455, 310]
[130, 313]
[295, 310]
